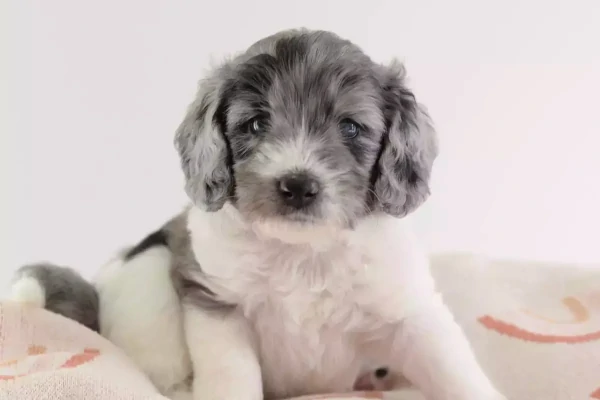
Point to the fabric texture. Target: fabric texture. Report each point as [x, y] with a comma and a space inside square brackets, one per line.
[46, 356]
[535, 328]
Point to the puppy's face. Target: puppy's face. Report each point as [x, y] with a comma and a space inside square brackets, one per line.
[305, 129]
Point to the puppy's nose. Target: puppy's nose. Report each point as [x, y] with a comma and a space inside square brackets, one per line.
[298, 190]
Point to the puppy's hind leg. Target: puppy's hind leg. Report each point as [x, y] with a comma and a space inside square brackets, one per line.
[141, 313]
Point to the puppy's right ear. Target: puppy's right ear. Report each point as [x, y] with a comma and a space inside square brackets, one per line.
[203, 149]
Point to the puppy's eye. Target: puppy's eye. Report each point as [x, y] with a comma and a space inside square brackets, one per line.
[349, 128]
[257, 125]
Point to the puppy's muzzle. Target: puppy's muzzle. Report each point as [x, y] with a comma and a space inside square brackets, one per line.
[298, 190]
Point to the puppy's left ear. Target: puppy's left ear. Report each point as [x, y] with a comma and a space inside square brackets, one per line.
[409, 147]
[203, 150]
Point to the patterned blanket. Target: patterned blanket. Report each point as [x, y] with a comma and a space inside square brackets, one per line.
[535, 328]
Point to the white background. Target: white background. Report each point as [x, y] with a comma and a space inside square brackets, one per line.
[92, 92]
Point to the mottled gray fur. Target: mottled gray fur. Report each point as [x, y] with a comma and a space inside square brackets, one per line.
[66, 292]
[303, 83]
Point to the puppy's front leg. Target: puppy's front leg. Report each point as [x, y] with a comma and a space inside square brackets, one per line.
[224, 361]
[432, 351]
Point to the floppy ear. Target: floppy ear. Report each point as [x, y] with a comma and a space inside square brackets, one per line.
[203, 149]
[409, 148]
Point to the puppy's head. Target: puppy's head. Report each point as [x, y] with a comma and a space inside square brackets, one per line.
[304, 129]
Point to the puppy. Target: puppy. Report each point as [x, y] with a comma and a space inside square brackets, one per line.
[293, 268]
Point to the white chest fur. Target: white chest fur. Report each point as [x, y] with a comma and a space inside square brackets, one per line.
[309, 305]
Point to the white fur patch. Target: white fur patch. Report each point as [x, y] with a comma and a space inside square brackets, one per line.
[27, 290]
[141, 313]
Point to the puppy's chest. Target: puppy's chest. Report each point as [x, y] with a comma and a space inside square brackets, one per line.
[305, 311]
[307, 289]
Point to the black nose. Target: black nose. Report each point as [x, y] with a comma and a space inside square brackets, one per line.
[298, 190]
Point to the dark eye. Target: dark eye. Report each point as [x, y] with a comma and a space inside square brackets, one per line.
[349, 129]
[257, 125]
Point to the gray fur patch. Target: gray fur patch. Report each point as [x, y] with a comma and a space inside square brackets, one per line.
[186, 273]
[67, 293]
[409, 149]
[203, 151]
[301, 86]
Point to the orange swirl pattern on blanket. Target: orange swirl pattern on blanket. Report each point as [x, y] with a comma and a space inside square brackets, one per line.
[87, 355]
[577, 309]
[579, 312]
[523, 334]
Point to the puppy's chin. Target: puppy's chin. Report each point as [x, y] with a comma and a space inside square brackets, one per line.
[320, 235]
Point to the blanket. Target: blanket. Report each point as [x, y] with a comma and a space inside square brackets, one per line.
[534, 327]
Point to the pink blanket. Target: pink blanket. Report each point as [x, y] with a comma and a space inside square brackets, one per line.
[46, 356]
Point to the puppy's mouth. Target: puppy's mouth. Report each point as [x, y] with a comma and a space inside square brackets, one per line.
[308, 215]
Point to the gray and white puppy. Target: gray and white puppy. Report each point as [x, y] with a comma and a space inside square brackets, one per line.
[291, 271]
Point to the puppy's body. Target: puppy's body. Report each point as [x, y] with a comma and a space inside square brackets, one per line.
[312, 308]
[291, 273]
[307, 318]
[308, 309]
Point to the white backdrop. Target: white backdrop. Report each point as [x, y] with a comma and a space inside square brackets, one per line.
[93, 91]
